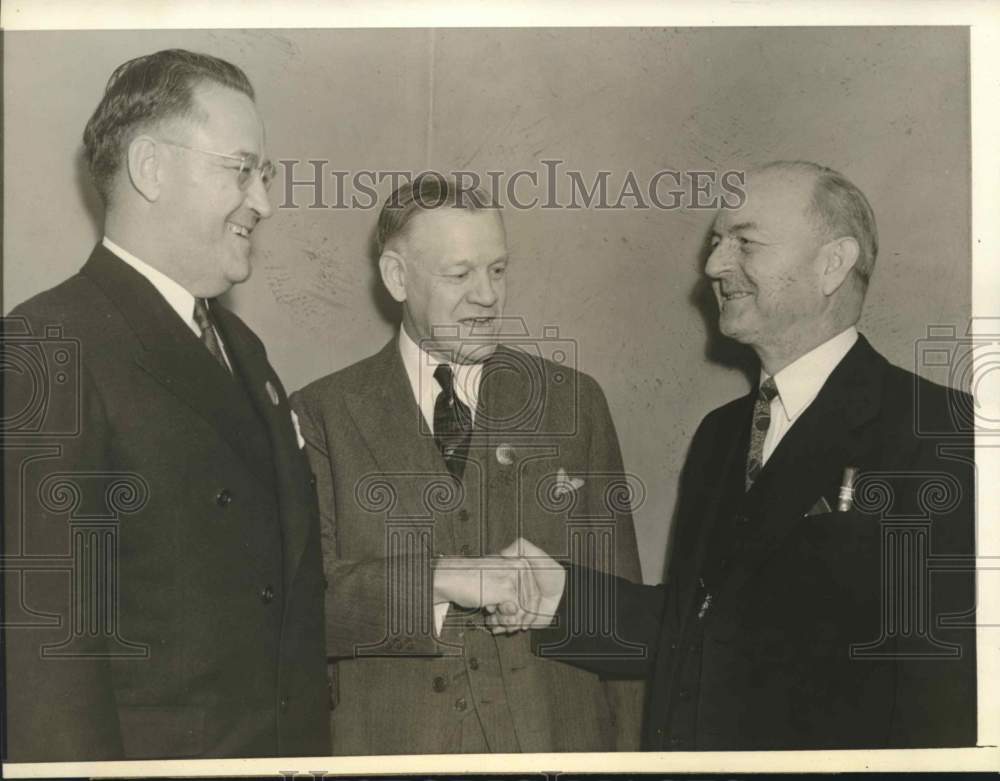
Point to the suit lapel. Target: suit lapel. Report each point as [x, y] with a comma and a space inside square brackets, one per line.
[175, 358]
[729, 469]
[808, 462]
[386, 415]
[511, 404]
[290, 469]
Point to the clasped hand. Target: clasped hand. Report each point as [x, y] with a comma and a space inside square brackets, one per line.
[519, 588]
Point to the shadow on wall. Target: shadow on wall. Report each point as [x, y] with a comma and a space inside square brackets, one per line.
[719, 350]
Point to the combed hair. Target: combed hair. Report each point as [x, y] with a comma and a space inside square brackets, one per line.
[840, 209]
[428, 190]
[144, 92]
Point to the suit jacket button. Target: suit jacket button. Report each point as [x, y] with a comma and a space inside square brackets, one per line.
[267, 594]
[461, 704]
[463, 514]
[684, 694]
[465, 550]
[283, 704]
[439, 684]
[474, 663]
[224, 497]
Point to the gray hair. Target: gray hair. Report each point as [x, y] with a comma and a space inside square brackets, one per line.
[840, 209]
[428, 190]
[143, 92]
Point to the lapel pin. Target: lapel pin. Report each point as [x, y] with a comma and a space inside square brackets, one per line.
[505, 454]
[272, 394]
[565, 484]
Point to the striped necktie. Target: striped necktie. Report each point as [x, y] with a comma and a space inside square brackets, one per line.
[758, 429]
[452, 422]
[209, 334]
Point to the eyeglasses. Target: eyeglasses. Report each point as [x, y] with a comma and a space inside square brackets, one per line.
[250, 166]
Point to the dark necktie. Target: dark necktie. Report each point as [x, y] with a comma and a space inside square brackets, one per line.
[209, 336]
[758, 430]
[452, 422]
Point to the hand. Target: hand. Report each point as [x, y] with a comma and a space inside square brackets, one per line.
[549, 579]
[504, 586]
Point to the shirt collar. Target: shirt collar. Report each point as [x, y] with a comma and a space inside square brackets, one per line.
[420, 366]
[800, 382]
[180, 300]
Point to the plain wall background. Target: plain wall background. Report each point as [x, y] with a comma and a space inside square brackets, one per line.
[886, 106]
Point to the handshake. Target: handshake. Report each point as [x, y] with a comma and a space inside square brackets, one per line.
[519, 588]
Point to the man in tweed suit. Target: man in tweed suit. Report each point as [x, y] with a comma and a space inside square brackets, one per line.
[444, 444]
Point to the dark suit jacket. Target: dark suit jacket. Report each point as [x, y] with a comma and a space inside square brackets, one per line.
[807, 636]
[387, 503]
[179, 611]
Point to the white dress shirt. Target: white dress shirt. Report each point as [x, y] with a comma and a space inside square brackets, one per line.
[799, 384]
[420, 366]
[180, 300]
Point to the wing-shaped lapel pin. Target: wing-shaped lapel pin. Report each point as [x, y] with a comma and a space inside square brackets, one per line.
[566, 484]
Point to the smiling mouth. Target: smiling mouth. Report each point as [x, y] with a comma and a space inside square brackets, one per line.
[734, 294]
[477, 321]
[239, 230]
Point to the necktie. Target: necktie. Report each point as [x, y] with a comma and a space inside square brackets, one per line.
[758, 429]
[452, 422]
[209, 336]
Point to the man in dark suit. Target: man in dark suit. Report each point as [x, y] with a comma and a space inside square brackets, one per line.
[821, 585]
[179, 609]
[441, 449]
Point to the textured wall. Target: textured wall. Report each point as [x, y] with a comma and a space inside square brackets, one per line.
[889, 107]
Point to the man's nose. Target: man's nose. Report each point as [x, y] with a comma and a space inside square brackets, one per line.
[719, 261]
[484, 292]
[258, 199]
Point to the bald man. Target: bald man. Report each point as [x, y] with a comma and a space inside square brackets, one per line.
[799, 612]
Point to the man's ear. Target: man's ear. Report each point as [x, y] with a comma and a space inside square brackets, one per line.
[144, 160]
[393, 268]
[837, 258]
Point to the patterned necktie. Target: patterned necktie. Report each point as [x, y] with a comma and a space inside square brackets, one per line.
[758, 430]
[452, 422]
[209, 336]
